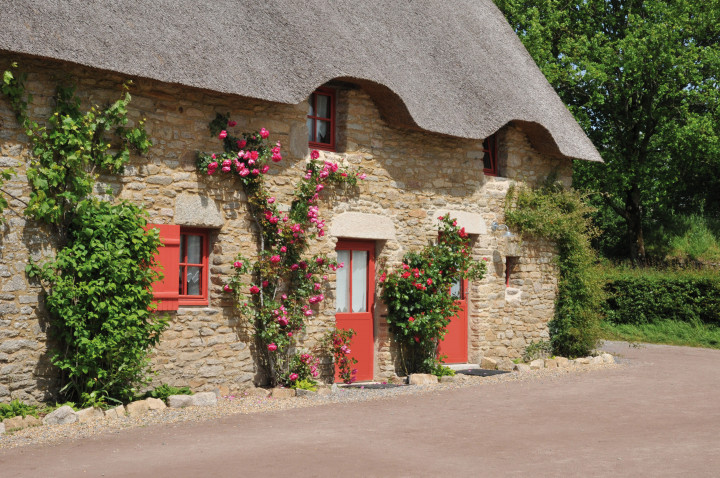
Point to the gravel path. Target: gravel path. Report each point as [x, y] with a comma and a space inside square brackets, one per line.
[247, 404]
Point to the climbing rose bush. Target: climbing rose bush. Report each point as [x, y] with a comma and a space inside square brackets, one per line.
[417, 294]
[339, 342]
[282, 287]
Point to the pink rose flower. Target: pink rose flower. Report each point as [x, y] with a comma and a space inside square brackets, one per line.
[264, 133]
[237, 264]
[265, 169]
[283, 249]
[293, 376]
[254, 155]
[362, 176]
[314, 154]
[223, 134]
[241, 143]
[254, 289]
[227, 288]
[276, 157]
[271, 200]
[272, 347]
[265, 283]
[232, 124]
[275, 259]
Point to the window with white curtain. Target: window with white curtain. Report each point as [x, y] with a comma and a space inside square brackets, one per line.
[352, 280]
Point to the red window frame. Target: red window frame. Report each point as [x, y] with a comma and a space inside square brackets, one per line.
[490, 166]
[202, 298]
[313, 100]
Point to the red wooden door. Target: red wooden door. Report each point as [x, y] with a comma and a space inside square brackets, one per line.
[455, 343]
[354, 301]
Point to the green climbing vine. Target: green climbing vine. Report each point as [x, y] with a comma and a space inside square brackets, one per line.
[98, 286]
[561, 215]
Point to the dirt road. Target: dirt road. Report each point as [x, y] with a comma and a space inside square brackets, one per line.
[657, 416]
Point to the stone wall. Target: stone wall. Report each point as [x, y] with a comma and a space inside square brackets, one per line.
[410, 177]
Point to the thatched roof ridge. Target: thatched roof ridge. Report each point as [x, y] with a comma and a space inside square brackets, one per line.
[456, 65]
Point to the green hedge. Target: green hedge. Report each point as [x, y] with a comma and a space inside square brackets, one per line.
[649, 296]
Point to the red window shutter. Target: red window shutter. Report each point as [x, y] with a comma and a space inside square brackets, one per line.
[166, 291]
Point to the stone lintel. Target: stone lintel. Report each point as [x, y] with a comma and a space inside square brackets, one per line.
[471, 221]
[198, 211]
[360, 225]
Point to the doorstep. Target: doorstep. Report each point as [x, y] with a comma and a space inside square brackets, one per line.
[462, 366]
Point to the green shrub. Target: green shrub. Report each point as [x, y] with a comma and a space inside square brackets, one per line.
[164, 391]
[536, 350]
[443, 371]
[646, 296]
[16, 408]
[305, 384]
[561, 216]
[100, 303]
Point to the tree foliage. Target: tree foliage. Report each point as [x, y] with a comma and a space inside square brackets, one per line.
[641, 77]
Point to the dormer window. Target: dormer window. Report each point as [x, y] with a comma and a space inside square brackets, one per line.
[490, 156]
[321, 119]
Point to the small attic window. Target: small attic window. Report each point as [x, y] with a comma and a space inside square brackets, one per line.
[321, 119]
[490, 156]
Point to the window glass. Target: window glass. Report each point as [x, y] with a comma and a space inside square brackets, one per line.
[311, 108]
[359, 281]
[323, 131]
[194, 249]
[456, 289]
[193, 280]
[342, 290]
[311, 132]
[323, 106]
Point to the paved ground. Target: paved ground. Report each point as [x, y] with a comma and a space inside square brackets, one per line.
[658, 416]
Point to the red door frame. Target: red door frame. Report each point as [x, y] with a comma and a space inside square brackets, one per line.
[455, 342]
[363, 343]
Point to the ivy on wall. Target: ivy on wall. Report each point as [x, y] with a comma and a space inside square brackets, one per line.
[562, 216]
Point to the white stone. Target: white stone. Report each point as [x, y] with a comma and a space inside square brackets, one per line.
[155, 404]
[487, 363]
[522, 368]
[305, 393]
[61, 416]
[360, 225]
[2, 428]
[422, 379]
[204, 399]
[562, 362]
[607, 358]
[596, 360]
[283, 392]
[116, 412]
[135, 409]
[537, 364]
[89, 414]
[179, 401]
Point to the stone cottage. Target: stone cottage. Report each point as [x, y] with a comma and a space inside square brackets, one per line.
[442, 110]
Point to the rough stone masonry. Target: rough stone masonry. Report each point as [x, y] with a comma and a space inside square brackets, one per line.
[412, 177]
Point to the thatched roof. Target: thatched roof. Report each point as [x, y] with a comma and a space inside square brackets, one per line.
[451, 67]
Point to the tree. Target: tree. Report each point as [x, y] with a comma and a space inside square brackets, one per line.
[641, 77]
